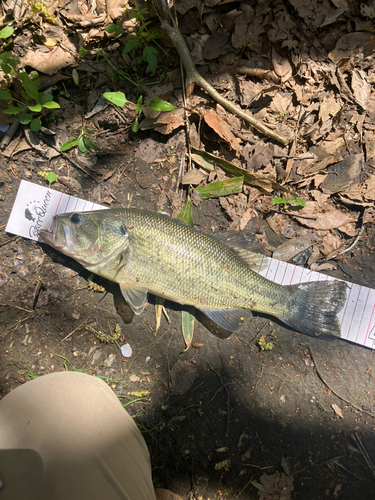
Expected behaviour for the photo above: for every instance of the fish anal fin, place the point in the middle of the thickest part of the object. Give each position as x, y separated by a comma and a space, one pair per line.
229, 319
135, 296
245, 246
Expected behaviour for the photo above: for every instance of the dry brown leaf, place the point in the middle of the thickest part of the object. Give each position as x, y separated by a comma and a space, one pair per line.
348, 229
116, 7
343, 174
194, 177
51, 61
369, 215
329, 244
337, 410
281, 65
286, 251
246, 218
278, 223
329, 108
166, 122
361, 89
222, 129
327, 266
352, 44
332, 219
369, 194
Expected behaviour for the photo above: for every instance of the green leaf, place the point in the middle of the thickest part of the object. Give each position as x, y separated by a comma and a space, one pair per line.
69, 144
131, 44
87, 130
135, 126
25, 118
253, 179
8, 62
187, 323
300, 203
6, 32
279, 201
116, 98
37, 108
187, 312
51, 177
149, 55
35, 125
30, 86
43, 98
186, 214
51, 105
160, 105
91, 145
221, 188
257, 485
5, 95
13, 110
81, 145
116, 29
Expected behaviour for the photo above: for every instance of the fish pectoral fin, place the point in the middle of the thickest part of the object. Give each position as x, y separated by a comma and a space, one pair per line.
135, 296
229, 319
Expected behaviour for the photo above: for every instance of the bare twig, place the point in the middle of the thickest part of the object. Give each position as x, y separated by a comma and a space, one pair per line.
351, 246
363, 450
169, 25
9, 134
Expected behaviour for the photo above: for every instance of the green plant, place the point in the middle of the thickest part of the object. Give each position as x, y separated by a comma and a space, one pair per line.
293, 201
264, 345
140, 40
119, 99
82, 142
36, 103
6, 32
50, 176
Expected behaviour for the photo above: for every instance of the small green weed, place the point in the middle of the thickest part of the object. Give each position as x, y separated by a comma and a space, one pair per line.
142, 39
264, 345
293, 201
6, 32
36, 103
50, 176
82, 142
27, 372
119, 99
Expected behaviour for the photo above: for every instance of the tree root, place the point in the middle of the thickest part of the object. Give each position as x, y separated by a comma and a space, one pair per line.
169, 25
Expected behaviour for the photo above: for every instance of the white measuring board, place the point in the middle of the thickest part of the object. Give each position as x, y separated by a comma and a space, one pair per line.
35, 206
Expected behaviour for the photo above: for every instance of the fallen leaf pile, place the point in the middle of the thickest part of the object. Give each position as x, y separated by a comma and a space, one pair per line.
296, 74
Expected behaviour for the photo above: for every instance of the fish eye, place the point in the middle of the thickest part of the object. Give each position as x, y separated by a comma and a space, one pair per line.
75, 218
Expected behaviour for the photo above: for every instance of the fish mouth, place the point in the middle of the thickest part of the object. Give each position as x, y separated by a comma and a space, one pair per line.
58, 238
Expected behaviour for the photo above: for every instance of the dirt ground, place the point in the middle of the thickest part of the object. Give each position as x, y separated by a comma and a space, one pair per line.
219, 415
223, 419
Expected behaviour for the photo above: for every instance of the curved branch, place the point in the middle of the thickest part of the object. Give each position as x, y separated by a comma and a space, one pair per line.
169, 25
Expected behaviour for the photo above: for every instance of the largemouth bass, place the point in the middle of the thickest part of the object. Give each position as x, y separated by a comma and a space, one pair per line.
149, 252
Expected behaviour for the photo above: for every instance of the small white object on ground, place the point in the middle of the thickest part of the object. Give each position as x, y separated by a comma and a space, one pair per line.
126, 350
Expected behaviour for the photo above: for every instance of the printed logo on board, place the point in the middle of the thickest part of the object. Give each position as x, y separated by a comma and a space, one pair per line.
35, 212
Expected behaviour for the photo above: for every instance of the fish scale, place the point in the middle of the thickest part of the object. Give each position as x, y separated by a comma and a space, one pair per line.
150, 252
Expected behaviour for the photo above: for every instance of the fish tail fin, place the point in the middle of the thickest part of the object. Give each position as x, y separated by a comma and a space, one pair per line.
314, 307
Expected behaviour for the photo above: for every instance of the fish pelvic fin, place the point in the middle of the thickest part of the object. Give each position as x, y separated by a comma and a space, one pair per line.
314, 308
135, 296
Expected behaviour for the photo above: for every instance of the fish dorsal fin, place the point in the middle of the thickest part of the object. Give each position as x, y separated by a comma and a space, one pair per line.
245, 246
135, 296
229, 319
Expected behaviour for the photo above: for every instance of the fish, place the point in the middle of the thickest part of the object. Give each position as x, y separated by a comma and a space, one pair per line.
146, 252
